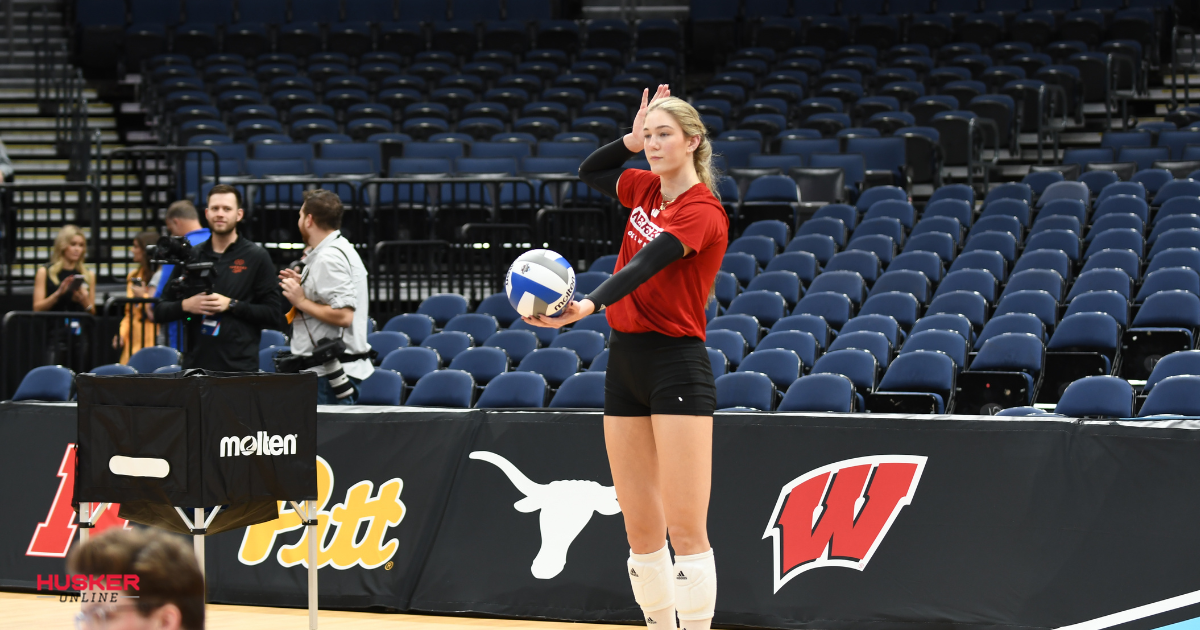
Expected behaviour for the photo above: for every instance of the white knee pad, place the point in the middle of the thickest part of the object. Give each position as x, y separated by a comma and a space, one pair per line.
650, 575
695, 586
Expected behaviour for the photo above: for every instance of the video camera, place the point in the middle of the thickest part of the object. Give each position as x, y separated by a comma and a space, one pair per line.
328, 353
195, 277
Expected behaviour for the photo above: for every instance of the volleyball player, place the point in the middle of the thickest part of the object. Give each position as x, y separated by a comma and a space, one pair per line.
659, 394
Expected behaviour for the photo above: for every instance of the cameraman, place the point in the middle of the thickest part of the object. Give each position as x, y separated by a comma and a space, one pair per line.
329, 300
224, 327
181, 220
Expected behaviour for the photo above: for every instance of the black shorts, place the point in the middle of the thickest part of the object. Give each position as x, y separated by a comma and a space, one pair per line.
651, 373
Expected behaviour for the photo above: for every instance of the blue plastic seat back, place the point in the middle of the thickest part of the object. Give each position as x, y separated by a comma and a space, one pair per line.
987, 260
1177, 188
879, 193
1057, 222
923, 371
730, 342
1174, 222
948, 207
1102, 280
384, 341
874, 342
848, 283
814, 325
514, 390
1110, 303
820, 393
954, 322
1121, 204
947, 342
742, 266
443, 388
516, 343
786, 283
412, 362
803, 264
980, 281
1011, 323
747, 325
1038, 303
272, 338
448, 343
966, 303
855, 364
900, 306
1001, 242
148, 359
597, 322
479, 325
780, 365
1169, 309
720, 364
821, 246
829, 226
960, 192
50, 383
1064, 190
1177, 205
483, 363
1104, 396
1046, 280
745, 389
113, 369
847, 214
1175, 257
1049, 259
1090, 331
835, 307
442, 307
555, 364
1169, 279
1175, 395
887, 226
937, 242
1062, 240
763, 248
914, 283
584, 390
800, 342
1011, 352
998, 223
946, 225
1040, 181
776, 230
865, 264
381, 388
586, 343
927, 263
1011, 190
1177, 238
1117, 238
1181, 363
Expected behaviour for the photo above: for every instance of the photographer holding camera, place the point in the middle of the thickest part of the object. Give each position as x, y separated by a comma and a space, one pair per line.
224, 288
329, 305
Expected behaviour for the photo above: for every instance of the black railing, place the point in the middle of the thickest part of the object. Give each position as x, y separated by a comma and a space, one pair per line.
32, 215
1187, 93
32, 339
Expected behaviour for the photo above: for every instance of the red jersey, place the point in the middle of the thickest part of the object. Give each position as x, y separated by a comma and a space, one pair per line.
672, 301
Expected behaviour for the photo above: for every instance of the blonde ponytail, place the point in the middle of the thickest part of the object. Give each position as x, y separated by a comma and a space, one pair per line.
692, 125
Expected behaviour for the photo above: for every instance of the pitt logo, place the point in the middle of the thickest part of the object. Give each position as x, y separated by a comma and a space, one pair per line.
347, 547
836, 515
53, 537
643, 226
238, 265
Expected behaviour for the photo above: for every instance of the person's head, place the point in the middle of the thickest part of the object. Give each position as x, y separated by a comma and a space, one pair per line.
141, 243
224, 209
170, 593
182, 218
70, 246
320, 215
676, 140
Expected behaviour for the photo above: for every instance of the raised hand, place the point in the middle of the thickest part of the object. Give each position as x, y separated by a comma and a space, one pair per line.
634, 140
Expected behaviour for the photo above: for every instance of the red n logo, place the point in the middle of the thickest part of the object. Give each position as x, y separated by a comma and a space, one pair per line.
53, 537
836, 515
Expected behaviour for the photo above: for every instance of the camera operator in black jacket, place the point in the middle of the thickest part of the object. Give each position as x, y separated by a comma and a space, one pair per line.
224, 327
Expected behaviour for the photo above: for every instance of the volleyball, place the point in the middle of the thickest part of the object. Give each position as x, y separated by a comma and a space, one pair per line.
540, 282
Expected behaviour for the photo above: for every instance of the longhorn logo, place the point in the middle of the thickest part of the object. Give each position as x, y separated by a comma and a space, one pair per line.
836, 515
567, 506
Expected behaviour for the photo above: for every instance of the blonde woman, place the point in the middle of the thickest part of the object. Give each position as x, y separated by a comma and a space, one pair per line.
659, 394
137, 327
66, 285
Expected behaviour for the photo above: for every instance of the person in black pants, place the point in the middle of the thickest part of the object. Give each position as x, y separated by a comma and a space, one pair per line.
659, 394
223, 328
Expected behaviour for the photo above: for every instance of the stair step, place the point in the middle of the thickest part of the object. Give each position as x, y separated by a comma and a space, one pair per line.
31, 109
48, 123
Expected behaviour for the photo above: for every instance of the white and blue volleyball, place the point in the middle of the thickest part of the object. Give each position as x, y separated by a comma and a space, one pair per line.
540, 282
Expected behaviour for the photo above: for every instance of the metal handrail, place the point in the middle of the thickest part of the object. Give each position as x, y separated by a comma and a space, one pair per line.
1111, 74
1175, 33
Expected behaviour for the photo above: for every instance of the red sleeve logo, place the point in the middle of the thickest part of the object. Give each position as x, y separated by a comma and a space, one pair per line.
238, 266
836, 515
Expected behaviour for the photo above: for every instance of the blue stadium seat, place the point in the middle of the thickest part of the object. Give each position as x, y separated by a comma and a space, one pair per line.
1177, 188
821, 393
803, 264
1039, 303
800, 342
920, 382
272, 338
966, 303
1046, 259
814, 325
747, 325
554, 364
516, 343
49, 383
886, 226
448, 343
585, 343
1117, 238
785, 283
780, 365
1001, 242
778, 231
1102, 280
821, 246
901, 306
874, 342
763, 248
148, 359
1176, 206
584, 390
848, 283
112, 369
1046, 280
946, 225
836, 308
866, 264
1173, 396
596, 322
1012, 190
946, 342
980, 259
950, 207
498, 306
382, 388
855, 364
442, 388
1182, 363
443, 307
730, 342
1120, 204
1178, 221
483, 364
514, 390
1097, 396
928, 264
750, 390
1169, 279
954, 322
743, 266
384, 341
1005, 373
1110, 303
600, 363
1065, 241
1085, 344
479, 326
980, 281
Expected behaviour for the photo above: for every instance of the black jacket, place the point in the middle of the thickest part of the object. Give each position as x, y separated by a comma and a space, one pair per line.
243, 272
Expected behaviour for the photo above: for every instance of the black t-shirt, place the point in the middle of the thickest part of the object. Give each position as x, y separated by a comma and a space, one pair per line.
66, 302
243, 272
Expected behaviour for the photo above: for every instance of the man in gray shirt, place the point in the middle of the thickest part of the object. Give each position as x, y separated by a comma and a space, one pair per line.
329, 297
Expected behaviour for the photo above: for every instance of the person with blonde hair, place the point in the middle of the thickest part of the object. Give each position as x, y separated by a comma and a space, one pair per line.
659, 393
137, 326
66, 285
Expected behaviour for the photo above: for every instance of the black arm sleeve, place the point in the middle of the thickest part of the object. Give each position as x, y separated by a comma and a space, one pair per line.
604, 166
654, 257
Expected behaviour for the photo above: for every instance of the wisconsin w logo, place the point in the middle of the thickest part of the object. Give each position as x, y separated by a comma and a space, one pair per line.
836, 515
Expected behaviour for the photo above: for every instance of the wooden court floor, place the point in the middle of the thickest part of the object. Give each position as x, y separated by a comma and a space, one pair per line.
23, 611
